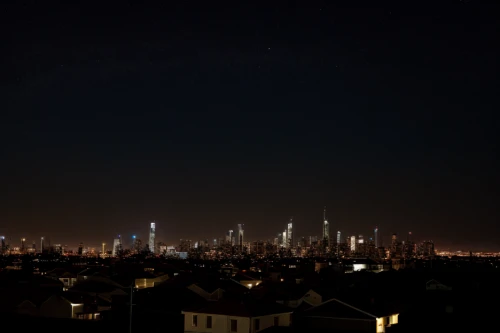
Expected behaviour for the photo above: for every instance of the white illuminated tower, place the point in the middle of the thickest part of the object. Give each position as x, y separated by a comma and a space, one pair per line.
375, 235
289, 234
338, 242
353, 244
240, 236
152, 230
326, 230
117, 244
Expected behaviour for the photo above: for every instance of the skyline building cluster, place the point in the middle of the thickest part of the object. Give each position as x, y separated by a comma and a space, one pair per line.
324, 245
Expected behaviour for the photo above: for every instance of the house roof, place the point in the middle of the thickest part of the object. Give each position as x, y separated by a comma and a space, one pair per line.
169, 297
103, 271
93, 286
209, 286
37, 297
243, 308
337, 309
62, 273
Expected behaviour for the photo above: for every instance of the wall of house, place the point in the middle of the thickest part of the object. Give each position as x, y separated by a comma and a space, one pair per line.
250, 283
309, 324
220, 323
268, 321
150, 282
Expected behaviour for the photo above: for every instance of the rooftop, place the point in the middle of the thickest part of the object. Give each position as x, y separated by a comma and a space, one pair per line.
243, 308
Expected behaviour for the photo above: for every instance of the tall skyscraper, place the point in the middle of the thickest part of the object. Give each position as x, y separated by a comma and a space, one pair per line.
338, 243
240, 236
230, 237
80, 249
375, 236
283, 243
2, 238
289, 234
117, 246
326, 230
152, 231
22, 244
353, 244
41, 245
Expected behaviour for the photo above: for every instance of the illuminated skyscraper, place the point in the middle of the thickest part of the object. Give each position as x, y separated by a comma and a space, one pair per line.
2, 238
152, 231
41, 245
283, 239
240, 236
375, 236
289, 234
230, 237
117, 246
326, 230
353, 244
338, 242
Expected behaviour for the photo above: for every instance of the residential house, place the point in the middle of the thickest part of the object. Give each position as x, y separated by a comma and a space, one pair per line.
102, 288
247, 280
335, 315
59, 307
150, 281
67, 277
29, 302
236, 317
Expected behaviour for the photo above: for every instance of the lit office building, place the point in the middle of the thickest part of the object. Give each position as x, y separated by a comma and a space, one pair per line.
240, 236
289, 234
326, 230
152, 231
117, 244
353, 244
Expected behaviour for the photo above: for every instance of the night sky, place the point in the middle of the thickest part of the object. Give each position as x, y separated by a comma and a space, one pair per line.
202, 116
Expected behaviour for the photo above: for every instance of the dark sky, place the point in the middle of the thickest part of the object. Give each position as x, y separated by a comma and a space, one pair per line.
203, 116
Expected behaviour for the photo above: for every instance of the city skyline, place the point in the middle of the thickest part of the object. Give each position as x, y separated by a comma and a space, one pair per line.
120, 114
382, 239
